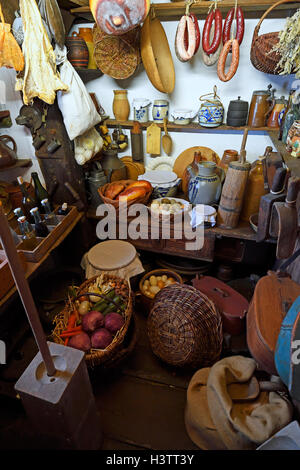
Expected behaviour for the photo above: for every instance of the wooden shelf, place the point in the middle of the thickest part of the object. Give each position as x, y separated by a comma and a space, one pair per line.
20, 163
292, 163
32, 267
192, 128
174, 10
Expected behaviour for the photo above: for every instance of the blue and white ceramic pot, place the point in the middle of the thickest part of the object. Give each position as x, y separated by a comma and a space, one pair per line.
141, 109
160, 110
205, 184
211, 112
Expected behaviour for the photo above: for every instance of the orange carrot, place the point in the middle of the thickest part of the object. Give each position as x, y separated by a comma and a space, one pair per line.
71, 325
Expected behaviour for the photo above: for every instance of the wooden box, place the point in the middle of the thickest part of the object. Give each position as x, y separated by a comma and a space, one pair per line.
6, 278
46, 243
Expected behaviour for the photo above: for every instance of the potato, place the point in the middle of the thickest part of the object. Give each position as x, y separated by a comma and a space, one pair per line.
161, 284
147, 283
158, 278
153, 281
154, 290
164, 278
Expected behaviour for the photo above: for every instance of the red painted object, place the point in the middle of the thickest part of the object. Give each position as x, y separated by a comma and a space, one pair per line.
232, 305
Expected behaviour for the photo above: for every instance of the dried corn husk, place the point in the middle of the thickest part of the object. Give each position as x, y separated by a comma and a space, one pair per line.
40, 78
289, 46
11, 55
53, 17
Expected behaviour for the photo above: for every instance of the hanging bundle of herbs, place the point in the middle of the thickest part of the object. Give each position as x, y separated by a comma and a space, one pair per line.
289, 46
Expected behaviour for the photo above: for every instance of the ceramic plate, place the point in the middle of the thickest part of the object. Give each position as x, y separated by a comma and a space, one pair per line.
157, 177
161, 163
187, 157
187, 204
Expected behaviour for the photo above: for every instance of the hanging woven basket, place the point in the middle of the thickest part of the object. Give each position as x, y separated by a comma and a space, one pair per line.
261, 56
117, 56
185, 327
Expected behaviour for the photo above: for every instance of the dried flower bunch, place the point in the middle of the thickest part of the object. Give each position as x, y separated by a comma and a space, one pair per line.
289, 46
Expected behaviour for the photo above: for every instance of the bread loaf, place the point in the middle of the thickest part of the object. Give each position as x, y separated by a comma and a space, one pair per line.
141, 184
113, 190
131, 193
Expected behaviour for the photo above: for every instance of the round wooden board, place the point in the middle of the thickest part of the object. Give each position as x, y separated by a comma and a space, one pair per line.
111, 255
187, 157
134, 169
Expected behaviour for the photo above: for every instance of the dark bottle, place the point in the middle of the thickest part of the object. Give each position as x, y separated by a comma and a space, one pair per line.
63, 210
50, 217
29, 239
286, 111
28, 202
40, 191
18, 212
40, 227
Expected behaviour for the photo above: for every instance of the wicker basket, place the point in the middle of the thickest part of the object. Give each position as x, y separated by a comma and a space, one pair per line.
96, 357
185, 328
117, 56
106, 200
261, 56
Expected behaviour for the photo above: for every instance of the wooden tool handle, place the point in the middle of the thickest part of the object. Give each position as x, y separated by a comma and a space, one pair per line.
279, 181
245, 136
293, 189
165, 126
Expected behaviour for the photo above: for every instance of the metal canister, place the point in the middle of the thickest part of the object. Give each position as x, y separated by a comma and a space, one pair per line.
95, 179
237, 113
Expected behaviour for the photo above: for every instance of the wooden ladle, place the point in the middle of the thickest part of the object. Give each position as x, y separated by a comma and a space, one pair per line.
248, 391
166, 140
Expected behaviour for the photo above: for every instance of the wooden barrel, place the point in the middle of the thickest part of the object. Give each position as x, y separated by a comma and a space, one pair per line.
233, 194
78, 53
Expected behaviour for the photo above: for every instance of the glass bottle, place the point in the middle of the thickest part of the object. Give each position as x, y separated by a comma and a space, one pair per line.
18, 212
50, 217
40, 227
287, 109
27, 202
29, 239
40, 191
63, 210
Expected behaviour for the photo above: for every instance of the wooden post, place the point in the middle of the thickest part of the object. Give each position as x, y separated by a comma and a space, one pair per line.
24, 291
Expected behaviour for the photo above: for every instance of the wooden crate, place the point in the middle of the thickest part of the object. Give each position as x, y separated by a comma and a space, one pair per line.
46, 243
6, 278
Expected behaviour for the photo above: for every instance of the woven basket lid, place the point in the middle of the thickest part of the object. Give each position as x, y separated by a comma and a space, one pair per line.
117, 56
111, 255
185, 327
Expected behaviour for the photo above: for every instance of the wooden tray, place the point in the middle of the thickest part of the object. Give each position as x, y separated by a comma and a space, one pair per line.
187, 157
46, 243
6, 278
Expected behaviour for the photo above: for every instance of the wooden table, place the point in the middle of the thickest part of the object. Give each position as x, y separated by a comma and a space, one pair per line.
32, 267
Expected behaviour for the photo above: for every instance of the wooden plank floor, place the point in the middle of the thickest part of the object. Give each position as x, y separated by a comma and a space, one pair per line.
141, 406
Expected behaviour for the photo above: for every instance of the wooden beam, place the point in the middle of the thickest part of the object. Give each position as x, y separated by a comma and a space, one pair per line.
173, 11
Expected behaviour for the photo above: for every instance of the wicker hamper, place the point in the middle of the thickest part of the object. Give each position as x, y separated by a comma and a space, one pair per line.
185, 328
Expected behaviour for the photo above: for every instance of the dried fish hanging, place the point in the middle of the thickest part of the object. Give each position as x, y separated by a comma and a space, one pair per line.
40, 78
50, 11
11, 55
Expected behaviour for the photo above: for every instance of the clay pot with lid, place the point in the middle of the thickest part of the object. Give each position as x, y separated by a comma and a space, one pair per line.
237, 113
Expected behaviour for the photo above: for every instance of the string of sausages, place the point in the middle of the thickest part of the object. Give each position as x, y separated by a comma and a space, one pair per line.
217, 41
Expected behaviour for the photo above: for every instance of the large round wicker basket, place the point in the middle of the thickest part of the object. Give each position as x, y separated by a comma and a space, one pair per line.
262, 55
117, 56
113, 352
185, 327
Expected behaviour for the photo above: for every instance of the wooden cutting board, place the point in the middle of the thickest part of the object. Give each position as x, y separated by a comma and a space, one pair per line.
187, 157
154, 139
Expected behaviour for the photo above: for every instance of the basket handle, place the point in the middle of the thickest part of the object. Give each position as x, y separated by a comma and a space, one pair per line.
272, 8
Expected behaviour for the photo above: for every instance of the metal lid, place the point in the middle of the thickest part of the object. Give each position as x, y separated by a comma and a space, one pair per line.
238, 100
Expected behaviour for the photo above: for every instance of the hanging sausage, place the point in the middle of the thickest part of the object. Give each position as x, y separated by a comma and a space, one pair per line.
188, 36
214, 17
240, 25
234, 45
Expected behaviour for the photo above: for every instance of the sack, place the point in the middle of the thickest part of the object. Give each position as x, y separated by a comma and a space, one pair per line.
87, 146
77, 107
216, 421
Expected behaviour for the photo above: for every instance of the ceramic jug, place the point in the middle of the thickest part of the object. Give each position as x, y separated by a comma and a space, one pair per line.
113, 167
211, 112
8, 156
205, 184
261, 105
273, 121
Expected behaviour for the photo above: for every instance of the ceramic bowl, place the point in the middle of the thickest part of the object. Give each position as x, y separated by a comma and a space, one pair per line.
164, 183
